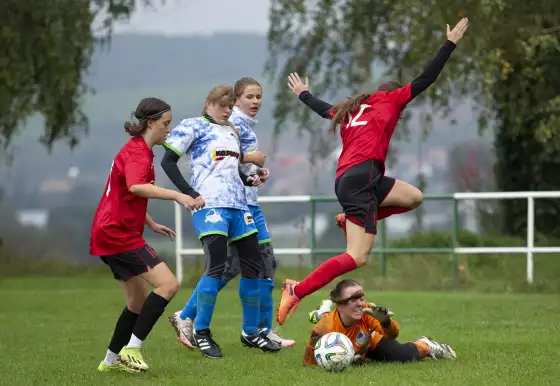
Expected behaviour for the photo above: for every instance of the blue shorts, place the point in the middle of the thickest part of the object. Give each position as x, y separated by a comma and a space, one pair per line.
233, 223
260, 223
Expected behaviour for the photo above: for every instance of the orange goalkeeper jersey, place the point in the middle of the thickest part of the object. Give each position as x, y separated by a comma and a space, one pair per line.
364, 334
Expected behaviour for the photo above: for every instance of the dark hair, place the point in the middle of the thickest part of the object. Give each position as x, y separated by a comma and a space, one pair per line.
336, 293
242, 83
347, 105
149, 109
220, 94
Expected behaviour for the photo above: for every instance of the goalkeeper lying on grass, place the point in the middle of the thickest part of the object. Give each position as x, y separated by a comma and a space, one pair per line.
369, 328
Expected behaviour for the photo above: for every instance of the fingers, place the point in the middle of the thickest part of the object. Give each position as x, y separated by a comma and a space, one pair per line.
307, 82
448, 29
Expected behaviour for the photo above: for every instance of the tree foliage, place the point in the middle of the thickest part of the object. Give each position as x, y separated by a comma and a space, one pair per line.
508, 63
46, 48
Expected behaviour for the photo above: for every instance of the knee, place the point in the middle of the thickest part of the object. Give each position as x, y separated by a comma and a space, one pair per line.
360, 257
170, 288
415, 198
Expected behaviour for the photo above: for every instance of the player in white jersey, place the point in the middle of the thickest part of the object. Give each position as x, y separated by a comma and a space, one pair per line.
212, 143
248, 99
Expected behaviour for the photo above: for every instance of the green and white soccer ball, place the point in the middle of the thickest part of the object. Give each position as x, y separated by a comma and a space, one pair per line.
334, 352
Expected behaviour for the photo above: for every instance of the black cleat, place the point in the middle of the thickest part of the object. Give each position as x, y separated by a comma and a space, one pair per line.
261, 341
207, 346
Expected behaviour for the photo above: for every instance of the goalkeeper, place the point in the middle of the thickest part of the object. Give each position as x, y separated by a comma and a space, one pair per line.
370, 329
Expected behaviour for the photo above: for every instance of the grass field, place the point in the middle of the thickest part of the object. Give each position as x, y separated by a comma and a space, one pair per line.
55, 331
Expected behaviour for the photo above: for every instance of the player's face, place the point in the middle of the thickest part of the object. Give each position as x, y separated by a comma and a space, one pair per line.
250, 101
160, 129
220, 112
353, 308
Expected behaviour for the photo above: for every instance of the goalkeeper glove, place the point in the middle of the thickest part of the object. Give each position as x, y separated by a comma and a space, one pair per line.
382, 314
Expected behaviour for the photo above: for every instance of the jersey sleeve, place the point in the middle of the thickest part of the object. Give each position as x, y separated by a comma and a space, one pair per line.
247, 140
402, 95
181, 137
137, 169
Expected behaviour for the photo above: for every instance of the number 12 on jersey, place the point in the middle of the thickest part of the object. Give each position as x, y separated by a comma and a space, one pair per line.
354, 121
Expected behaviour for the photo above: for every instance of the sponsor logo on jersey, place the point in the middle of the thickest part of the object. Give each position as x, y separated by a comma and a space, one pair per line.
218, 155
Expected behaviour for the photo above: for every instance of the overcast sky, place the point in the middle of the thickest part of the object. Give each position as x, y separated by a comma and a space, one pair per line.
200, 17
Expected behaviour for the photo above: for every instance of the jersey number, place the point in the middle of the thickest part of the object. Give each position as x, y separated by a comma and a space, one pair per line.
353, 121
109, 183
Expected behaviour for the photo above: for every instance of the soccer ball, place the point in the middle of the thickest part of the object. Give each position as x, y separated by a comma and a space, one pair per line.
334, 351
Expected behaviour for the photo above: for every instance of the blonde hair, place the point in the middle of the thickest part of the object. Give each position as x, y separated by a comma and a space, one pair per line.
221, 94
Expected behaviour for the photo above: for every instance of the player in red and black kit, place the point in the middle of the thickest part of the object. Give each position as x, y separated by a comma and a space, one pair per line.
117, 236
367, 125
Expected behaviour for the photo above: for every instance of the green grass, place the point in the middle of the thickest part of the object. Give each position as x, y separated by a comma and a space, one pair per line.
55, 332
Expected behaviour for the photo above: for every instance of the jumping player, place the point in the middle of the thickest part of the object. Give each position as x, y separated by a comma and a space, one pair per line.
214, 148
373, 338
248, 100
117, 236
367, 124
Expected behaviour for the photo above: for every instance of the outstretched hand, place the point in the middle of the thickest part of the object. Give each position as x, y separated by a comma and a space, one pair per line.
296, 85
458, 31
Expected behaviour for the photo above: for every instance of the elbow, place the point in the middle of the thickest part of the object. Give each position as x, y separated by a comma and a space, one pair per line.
134, 189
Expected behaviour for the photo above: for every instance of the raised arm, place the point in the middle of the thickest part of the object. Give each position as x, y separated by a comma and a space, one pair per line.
301, 90
434, 67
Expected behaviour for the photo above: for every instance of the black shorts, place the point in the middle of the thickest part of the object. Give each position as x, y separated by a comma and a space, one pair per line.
126, 265
360, 190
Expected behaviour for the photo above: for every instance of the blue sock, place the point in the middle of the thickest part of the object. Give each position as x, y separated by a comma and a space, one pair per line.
189, 311
267, 304
207, 293
250, 303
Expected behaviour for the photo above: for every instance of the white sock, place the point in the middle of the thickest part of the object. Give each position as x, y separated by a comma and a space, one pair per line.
134, 342
111, 358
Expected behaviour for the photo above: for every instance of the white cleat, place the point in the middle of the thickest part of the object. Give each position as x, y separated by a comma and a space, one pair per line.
284, 343
439, 350
184, 330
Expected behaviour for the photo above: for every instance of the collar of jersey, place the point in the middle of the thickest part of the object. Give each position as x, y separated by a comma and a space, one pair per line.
249, 120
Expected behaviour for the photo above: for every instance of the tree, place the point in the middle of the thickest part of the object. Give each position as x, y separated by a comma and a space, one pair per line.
508, 63
46, 48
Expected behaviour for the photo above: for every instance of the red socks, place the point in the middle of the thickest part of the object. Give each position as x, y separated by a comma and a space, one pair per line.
324, 274
386, 211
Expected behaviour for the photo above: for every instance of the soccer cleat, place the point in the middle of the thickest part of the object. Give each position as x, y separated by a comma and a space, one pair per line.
208, 346
438, 350
341, 223
184, 329
132, 357
261, 341
288, 302
116, 367
283, 343
316, 315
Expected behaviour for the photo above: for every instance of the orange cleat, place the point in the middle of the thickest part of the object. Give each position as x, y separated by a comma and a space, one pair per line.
288, 302
341, 223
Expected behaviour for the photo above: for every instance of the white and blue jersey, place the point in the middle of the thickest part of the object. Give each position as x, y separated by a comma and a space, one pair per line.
249, 142
214, 152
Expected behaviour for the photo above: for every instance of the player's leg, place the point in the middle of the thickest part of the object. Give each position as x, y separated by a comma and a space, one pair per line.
266, 279
152, 269
397, 197
135, 291
354, 192
389, 350
244, 239
394, 196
